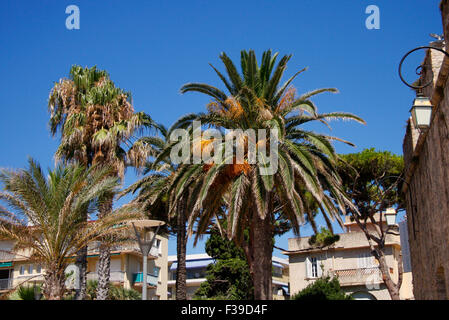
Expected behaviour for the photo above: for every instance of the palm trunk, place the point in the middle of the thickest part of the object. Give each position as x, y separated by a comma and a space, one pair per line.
181, 248
260, 262
104, 260
81, 263
54, 283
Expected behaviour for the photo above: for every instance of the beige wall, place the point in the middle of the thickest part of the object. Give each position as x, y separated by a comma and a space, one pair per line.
27, 277
128, 263
133, 264
343, 259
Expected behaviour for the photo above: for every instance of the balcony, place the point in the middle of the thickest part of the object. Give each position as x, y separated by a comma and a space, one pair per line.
94, 248
359, 276
5, 284
6, 256
151, 279
115, 276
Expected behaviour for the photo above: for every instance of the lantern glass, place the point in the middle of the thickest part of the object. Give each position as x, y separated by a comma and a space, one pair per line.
390, 216
391, 219
421, 112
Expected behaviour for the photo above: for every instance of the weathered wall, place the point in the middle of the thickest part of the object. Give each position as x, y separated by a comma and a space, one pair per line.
344, 255
426, 156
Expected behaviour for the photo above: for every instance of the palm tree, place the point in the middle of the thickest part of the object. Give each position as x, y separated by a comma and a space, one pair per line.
48, 215
157, 190
306, 159
97, 124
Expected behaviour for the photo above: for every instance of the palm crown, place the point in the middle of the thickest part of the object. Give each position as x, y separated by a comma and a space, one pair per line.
256, 100
48, 217
96, 120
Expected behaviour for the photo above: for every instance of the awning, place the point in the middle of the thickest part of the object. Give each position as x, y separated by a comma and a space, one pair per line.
5, 264
193, 264
277, 264
205, 262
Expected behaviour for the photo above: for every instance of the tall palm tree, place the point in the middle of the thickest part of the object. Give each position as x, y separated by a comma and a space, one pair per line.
48, 215
98, 126
157, 190
306, 159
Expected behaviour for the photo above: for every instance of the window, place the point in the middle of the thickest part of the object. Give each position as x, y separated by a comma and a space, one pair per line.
30, 269
39, 268
157, 272
277, 272
22, 270
365, 260
197, 273
313, 267
157, 245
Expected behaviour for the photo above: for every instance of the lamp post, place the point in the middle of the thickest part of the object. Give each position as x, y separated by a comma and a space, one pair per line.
422, 107
142, 229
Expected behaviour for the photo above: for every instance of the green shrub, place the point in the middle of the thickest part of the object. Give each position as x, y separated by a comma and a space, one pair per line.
324, 238
229, 277
323, 288
25, 292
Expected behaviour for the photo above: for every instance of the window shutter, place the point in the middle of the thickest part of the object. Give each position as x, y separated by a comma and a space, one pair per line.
372, 261
308, 268
360, 261
318, 264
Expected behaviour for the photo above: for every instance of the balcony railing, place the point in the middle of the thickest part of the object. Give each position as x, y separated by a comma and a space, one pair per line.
5, 284
358, 276
95, 248
151, 279
115, 276
6, 256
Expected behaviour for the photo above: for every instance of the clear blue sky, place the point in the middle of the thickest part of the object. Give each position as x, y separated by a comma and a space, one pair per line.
151, 48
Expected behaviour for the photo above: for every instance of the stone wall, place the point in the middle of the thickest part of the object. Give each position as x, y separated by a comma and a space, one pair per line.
426, 156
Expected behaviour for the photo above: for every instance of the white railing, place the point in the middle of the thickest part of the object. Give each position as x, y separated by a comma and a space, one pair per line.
358, 275
115, 276
94, 248
6, 256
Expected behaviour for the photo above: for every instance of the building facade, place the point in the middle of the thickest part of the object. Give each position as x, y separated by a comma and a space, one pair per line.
426, 158
126, 267
350, 260
196, 265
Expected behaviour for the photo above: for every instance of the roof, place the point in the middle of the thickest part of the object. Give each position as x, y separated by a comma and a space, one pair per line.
203, 260
278, 260
348, 241
174, 258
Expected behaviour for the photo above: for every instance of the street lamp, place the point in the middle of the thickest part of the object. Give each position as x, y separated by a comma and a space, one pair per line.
145, 239
421, 112
390, 216
422, 107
